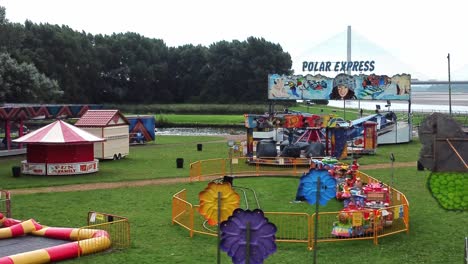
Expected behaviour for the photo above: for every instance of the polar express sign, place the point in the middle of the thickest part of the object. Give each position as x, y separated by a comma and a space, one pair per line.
338, 66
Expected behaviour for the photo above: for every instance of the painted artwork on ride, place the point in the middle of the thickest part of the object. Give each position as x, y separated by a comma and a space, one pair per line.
342, 87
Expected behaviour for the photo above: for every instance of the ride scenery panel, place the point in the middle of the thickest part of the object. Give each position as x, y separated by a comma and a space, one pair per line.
342, 87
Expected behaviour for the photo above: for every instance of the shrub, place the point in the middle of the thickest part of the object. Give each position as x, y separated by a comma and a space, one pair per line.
450, 189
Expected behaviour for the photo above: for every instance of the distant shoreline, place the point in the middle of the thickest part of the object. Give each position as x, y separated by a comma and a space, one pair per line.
439, 98
421, 101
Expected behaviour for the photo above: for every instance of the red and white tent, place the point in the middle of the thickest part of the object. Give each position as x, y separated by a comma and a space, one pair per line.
59, 132
59, 149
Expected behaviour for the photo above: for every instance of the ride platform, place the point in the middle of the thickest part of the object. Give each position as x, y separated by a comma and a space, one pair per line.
281, 161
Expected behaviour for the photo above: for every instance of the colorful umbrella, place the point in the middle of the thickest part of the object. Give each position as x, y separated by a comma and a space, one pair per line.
230, 200
308, 187
317, 187
248, 237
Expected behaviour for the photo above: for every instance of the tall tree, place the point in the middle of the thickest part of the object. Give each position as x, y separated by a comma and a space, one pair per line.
240, 69
11, 34
130, 68
187, 71
22, 82
3, 19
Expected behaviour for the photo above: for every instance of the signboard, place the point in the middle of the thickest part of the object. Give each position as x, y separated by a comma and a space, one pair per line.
342, 87
376, 196
338, 66
357, 219
72, 168
33, 168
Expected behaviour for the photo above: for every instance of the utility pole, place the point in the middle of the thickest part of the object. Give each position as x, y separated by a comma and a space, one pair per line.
449, 86
348, 53
344, 109
348, 58
230, 145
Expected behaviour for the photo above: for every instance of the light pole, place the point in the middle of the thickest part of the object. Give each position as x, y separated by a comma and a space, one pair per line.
392, 159
449, 86
344, 109
230, 145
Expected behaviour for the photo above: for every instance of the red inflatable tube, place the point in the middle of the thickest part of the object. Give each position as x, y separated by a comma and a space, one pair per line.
90, 241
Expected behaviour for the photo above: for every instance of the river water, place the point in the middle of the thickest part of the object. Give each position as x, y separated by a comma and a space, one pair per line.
200, 131
421, 101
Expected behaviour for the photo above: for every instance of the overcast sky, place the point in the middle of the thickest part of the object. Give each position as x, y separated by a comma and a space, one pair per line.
420, 34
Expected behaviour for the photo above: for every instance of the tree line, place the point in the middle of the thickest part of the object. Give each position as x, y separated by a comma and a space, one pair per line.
45, 63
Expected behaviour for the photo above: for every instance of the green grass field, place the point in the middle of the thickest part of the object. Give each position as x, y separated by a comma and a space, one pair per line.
193, 120
151, 161
158, 160
436, 235
223, 118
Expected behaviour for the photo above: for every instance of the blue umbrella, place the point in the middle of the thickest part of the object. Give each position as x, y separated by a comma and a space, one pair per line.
308, 187
317, 187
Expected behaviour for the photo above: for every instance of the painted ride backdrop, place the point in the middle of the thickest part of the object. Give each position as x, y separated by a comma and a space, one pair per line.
359, 87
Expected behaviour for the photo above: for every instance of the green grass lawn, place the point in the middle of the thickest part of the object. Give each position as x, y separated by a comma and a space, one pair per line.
403, 152
436, 235
183, 119
158, 160
218, 120
350, 113
151, 161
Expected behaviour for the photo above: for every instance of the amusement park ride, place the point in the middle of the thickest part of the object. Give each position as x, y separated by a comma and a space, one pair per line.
303, 135
307, 136
13, 118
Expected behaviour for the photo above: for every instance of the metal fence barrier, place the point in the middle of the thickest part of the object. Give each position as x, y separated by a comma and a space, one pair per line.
117, 227
364, 224
5, 207
182, 211
466, 250
199, 170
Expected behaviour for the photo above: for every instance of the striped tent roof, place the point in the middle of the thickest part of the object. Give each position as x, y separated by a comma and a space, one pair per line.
58, 132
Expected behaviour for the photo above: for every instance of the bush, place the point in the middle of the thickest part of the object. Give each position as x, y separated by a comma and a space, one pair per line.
449, 189
319, 102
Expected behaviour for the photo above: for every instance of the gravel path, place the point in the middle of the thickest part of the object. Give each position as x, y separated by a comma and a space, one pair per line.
127, 184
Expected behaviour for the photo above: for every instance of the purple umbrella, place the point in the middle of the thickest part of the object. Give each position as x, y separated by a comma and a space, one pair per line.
248, 237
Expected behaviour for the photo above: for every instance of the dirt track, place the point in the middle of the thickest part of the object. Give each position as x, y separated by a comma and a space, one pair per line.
113, 185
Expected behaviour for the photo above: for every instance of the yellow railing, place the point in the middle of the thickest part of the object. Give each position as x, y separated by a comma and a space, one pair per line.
182, 211
299, 227
368, 224
117, 227
5, 208
291, 227
199, 170
332, 229
92, 239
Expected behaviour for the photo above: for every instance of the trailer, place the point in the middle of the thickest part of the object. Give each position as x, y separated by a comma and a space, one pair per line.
111, 125
141, 128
